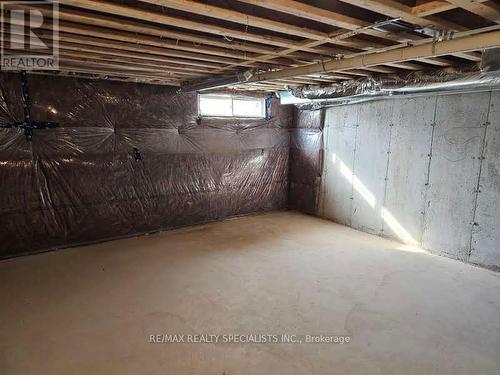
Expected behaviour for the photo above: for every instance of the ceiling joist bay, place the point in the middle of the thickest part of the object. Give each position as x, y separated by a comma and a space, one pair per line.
282, 42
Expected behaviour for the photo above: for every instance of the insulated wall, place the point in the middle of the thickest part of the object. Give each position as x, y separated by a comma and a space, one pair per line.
423, 170
305, 160
81, 182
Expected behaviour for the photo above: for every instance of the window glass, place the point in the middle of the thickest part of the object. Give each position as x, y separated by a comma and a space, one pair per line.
231, 106
216, 106
248, 108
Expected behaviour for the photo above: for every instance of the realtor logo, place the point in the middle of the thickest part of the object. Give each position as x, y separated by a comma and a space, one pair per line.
29, 35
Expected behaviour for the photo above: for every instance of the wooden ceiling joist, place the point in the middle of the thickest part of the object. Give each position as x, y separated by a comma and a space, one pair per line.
298, 9
338, 35
86, 30
182, 57
103, 71
153, 60
160, 18
393, 8
291, 7
147, 29
100, 76
181, 41
263, 23
487, 10
127, 62
120, 68
468, 43
426, 8
66, 54
216, 54
389, 7
330, 76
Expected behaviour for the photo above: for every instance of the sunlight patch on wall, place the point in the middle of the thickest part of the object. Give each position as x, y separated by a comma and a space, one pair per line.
397, 228
358, 185
410, 243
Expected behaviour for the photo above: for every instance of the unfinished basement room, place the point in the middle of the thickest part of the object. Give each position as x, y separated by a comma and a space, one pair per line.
250, 187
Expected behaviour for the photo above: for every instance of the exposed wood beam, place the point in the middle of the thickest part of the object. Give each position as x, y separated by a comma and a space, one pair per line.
406, 66
427, 8
295, 81
471, 56
195, 59
71, 67
250, 20
95, 54
126, 11
393, 8
68, 50
337, 35
151, 41
437, 61
326, 77
298, 9
128, 62
102, 37
490, 11
356, 72
330, 76
463, 44
303, 10
396, 9
137, 39
152, 60
431, 7
76, 28
94, 76
380, 69
140, 28
265, 85
284, 52
118, 68
128, 69
186, 58
325, 16
104, 46
114, 76
237, 17
157, 42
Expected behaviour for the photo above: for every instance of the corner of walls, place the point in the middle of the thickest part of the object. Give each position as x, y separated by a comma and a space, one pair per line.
306, 146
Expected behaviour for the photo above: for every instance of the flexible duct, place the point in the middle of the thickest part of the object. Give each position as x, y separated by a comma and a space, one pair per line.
371, 88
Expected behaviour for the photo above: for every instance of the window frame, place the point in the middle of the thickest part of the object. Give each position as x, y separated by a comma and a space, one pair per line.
233, 98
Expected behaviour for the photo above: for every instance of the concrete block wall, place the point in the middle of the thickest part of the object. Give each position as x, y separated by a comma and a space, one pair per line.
422, 170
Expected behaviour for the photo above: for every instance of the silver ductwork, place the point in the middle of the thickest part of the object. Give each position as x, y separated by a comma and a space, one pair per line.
371, 88
490, 61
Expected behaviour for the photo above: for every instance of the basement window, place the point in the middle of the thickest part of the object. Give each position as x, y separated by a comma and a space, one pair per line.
218, 105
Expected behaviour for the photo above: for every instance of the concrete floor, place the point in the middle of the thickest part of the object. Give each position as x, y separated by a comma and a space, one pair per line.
91, 310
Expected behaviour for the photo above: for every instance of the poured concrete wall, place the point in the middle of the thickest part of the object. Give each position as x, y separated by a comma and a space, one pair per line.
423, 170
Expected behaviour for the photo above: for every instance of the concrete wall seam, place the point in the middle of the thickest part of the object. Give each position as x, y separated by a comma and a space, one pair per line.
423, 170
428, 177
